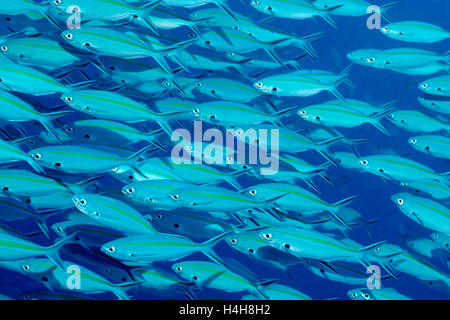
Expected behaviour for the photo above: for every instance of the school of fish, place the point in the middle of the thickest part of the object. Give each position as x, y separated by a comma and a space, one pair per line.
93, 206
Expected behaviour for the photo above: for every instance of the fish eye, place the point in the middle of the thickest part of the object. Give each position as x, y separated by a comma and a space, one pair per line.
166, 84
253, 192
69, 36
233, 241
354, 295
198, 84
377, 249
413, 141
57, 2
4, 48
371, 59
69, 129
400, 201
130, 190
424, 85
269, 8
259, 84
385, 29
236, 28
175, 197
364, 162
196, 111
231, 54
82, 202
36, 156
179, 269
366, 296
111, 249
68, 99
267, 236
302, 112
87, 44
59, 229
26, 267
255, 2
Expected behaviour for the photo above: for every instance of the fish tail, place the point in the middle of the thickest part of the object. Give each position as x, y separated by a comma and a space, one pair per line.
120, 289
334, 91
384, 8
177, 60
243, 72
283, 113
36, 167
163, 64
164, 124
79, 85
444, 178
138, 153
325, 15
367, 224
259, 288
81, 185
52, 252
42, 225
306, 44
273, 55
311, 184
331, 141
224, 7
309, 40
214, 240
388, 105
233, 183
339, 205
48, 126
148, 23
346, 71
344, 202
121, 294
447, 56
147, 9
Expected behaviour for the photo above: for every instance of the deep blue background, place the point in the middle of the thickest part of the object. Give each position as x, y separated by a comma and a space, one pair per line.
374, 86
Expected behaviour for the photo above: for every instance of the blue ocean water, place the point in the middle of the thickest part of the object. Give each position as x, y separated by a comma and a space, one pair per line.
375, 86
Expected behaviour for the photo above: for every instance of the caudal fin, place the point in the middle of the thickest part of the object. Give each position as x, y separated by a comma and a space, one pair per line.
52, 252
384, 8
